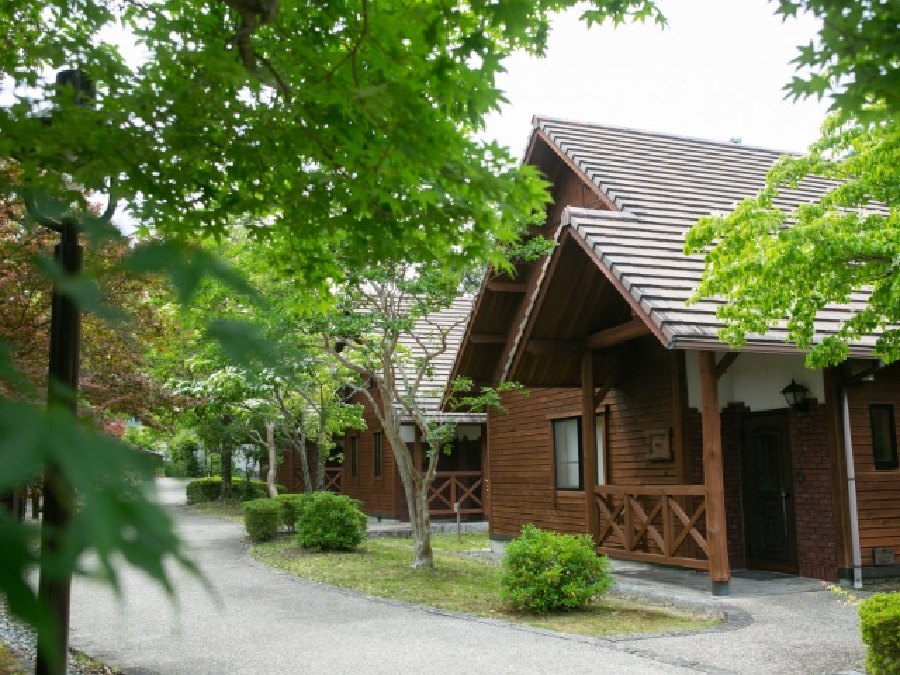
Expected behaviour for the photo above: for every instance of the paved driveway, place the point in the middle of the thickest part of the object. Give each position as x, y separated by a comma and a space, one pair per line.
262, 621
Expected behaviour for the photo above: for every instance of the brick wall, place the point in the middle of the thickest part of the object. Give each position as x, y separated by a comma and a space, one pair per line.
816, 533
731, 461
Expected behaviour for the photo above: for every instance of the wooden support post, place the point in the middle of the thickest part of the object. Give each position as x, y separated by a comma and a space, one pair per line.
834, 428
589, 444
486, 496
716, 532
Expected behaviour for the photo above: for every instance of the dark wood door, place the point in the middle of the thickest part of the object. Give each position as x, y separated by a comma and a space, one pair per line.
768, 494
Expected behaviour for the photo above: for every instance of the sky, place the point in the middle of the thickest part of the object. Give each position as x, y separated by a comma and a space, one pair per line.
716, 72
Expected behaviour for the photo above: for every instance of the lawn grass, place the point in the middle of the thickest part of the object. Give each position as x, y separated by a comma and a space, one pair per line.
228, 509
91, 666
9, 664
463, 584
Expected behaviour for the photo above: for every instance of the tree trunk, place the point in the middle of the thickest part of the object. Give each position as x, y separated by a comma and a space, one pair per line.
304, 460
323, 437
416, 487
270, 446
225, 492
420, 520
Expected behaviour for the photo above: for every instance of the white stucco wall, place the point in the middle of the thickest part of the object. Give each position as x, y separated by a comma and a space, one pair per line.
756, 380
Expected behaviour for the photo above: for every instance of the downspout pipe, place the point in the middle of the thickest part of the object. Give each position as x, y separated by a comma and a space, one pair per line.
851, 491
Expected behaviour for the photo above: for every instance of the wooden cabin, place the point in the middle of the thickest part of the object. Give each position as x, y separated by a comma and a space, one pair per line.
369, 471
641, 427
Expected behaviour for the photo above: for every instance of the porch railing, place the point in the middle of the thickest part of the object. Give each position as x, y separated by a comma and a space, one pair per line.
333, 480
653, 523
452, 487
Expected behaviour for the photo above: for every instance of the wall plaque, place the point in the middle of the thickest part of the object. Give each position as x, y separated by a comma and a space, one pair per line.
660, 445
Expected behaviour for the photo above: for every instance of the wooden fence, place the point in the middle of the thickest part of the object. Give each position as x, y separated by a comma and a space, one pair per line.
333, 480
456, 487
653, 523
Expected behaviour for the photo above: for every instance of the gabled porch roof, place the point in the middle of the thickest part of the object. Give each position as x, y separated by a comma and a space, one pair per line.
643, 260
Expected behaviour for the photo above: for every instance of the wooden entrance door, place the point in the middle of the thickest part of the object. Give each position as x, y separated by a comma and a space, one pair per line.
768, 494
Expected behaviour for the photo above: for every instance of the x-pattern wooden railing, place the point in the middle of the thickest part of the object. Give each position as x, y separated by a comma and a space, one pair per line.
333, 480
452, 487
653, 523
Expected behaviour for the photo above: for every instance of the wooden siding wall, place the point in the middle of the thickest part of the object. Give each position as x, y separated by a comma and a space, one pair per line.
569, 190
521, 456
376, 494
290, 471
877, 491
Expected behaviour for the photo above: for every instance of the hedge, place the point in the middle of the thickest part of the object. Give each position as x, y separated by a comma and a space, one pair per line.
262, 518
290, 508
879, 619
208, 489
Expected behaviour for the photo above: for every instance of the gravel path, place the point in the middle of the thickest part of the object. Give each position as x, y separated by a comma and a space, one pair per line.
258, 620
262, 621
22, 643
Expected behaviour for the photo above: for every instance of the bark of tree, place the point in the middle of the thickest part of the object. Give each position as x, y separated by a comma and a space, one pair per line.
300, 447
225, 492
320, 443
299, 444
415, 487
270, 446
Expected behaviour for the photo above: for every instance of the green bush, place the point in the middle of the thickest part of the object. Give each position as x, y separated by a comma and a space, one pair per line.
183, 455
545, 571
174, 470
290, 508
208, 489
330, 522
879, 618
262, 518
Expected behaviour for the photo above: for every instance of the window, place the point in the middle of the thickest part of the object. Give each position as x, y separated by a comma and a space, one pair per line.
884, 436
567, 452
378, 458
600, 430
354, 456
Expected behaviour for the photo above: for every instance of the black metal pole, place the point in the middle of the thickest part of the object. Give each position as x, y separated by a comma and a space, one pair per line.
65, 341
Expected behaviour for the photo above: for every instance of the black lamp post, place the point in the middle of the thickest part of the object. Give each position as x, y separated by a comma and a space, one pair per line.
65, 340
795, 395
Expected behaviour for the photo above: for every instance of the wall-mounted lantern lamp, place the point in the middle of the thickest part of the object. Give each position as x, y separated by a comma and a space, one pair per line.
796, 396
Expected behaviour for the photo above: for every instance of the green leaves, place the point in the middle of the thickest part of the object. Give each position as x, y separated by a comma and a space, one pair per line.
772, 266
341, 137
855, 57
187, 266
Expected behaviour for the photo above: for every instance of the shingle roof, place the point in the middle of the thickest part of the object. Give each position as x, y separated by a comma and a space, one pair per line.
663, 184
673, 179
647, 257
426, 335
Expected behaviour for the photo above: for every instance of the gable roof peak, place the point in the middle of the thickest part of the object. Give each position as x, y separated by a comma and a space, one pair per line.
545, 121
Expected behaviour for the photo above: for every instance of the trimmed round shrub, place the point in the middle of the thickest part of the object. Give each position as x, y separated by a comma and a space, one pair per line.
290, 508
879, 619
330, 522
208, 489
546, 571
262, 517
203, 490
